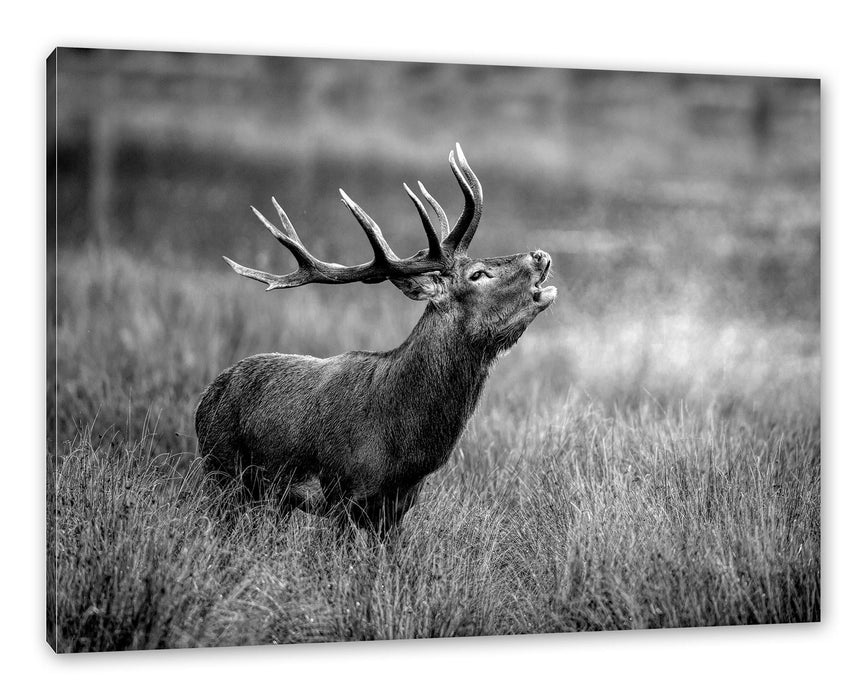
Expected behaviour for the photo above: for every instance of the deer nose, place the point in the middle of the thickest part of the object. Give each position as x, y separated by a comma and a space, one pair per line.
541, 258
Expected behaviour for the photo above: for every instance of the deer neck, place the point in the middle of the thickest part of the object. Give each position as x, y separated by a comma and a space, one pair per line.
439, 372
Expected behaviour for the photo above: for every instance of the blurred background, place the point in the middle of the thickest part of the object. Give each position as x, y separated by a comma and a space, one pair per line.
682, 213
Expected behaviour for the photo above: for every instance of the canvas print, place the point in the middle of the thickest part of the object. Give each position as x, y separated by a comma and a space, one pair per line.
355, 350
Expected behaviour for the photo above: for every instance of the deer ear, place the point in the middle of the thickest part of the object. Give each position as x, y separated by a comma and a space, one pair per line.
421, 287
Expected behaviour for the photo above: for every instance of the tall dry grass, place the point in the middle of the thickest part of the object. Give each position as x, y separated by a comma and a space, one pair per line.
598, 523
622, 471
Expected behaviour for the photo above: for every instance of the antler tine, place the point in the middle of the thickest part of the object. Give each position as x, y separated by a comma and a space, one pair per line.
464, 230
382, 253
309, 268
273, 281
440, 212
287, 225
290, 241
434, 248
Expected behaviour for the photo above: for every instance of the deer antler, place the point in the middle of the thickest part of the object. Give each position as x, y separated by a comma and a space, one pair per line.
442, 247
384, 265
461, 235
456, 242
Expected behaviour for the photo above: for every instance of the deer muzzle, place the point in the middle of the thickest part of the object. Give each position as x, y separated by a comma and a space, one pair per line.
541, 295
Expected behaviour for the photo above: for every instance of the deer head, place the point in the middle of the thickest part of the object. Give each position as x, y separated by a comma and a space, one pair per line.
488, 301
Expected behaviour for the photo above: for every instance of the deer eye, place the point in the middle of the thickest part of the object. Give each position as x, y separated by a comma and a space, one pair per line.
477, 275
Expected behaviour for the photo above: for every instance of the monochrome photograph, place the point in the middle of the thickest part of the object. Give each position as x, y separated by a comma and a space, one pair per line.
352, 350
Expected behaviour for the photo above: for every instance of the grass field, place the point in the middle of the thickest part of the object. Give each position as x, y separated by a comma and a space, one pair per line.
647, 455
620, 472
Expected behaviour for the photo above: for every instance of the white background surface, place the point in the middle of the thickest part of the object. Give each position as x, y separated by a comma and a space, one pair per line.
789, 39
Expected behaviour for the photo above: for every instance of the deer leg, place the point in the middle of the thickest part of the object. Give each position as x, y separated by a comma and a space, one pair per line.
335, 502
308, 495
384, 514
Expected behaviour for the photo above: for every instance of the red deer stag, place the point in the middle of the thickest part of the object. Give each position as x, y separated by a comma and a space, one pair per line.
356, 435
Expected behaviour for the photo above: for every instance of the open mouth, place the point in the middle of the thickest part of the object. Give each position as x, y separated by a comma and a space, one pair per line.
544, 274
541, 295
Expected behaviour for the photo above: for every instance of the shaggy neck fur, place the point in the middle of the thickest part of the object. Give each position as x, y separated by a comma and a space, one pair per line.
440, 376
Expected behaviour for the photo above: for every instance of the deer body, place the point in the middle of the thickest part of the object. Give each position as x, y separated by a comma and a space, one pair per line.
358, 427
356, 434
